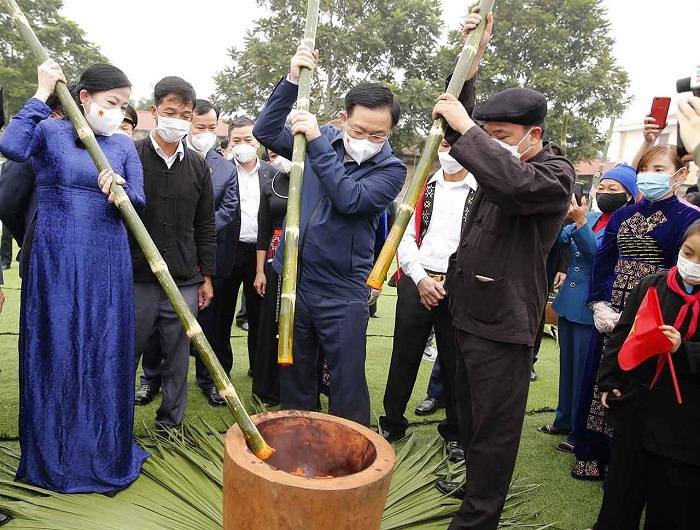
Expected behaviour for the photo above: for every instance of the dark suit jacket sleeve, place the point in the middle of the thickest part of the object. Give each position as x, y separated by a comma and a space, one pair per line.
17, 183
270, 129
468, 99
226, 212
264, 219
533, 187
205, 225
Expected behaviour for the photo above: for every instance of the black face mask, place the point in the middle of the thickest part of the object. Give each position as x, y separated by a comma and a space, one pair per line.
609, 202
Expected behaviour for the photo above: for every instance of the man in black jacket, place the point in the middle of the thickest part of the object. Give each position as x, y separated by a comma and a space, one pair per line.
179, 216
497, 283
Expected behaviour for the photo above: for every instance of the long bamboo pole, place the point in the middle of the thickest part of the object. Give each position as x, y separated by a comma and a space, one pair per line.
437, 132
291, 233
564, 127
601, 166
155, 260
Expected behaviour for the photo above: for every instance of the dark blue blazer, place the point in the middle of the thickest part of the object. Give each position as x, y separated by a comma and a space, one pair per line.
18, 204
570, 302
341, 202
224, 179
17, 197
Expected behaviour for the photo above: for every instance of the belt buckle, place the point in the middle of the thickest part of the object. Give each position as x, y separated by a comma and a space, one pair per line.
437, 277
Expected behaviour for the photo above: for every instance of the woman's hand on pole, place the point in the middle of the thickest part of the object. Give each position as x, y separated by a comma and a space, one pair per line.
104, 181
49, 73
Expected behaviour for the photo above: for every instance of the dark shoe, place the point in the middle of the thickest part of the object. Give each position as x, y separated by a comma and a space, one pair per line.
429, 405
250, 372
456, 490
215, 400
455, 451
392, 436
243, 325
551, 429
533, 376
145, 394
565, 447
5, 518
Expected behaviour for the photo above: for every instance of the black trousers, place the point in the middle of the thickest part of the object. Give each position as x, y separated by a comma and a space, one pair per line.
411, 330
6, 247
217, 319
266, 374
623, 500
636, 476
493, 380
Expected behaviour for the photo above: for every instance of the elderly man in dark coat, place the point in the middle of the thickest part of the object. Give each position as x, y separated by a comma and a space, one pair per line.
497, 283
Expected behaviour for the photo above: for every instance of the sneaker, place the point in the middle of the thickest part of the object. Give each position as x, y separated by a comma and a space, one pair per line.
430, 354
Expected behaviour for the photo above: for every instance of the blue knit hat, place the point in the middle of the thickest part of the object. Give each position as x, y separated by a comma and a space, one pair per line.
625, 175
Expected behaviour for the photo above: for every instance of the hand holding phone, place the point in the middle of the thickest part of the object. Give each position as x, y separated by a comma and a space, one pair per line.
659, 111
578, 192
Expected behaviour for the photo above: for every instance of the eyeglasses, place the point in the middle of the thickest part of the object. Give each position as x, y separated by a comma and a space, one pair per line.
361, 135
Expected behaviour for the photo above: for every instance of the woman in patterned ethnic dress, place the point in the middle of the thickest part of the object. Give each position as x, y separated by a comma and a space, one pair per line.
640, 239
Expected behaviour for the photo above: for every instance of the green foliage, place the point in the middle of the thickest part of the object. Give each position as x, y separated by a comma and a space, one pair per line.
181, 488
562, 48
63, 40
393, 41
559, 47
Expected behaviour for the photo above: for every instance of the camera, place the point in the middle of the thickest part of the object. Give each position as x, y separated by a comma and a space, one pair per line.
687, 84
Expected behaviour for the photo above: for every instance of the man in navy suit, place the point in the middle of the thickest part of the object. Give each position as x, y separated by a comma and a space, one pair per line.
350, 177
201, 139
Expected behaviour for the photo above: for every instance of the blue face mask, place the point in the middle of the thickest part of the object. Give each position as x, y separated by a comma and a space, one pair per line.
654, 185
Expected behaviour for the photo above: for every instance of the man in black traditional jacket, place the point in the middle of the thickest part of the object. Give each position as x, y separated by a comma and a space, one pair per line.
497, 283
179, 216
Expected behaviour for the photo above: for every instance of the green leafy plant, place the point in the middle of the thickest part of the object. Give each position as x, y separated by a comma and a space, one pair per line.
180, 488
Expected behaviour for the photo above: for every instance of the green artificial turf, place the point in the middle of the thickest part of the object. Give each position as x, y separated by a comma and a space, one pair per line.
569, 503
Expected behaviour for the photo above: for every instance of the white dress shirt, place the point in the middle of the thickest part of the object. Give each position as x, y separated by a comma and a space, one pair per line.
249, 188
442, 238
169, 160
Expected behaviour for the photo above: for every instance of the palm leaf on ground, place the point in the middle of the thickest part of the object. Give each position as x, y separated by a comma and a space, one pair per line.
180, 488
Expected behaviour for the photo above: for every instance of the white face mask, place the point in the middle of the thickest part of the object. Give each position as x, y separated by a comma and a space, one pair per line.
514, 148
202, 142
244, 152
361, 150
282, 164
229, 156
449, 164
172, 130
689, 271
104, 121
